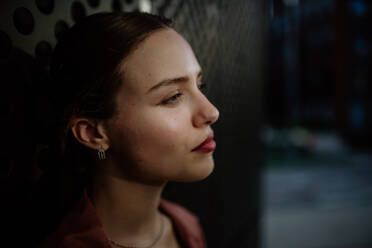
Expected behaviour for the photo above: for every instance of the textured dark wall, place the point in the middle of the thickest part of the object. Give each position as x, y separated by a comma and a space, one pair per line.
228, 39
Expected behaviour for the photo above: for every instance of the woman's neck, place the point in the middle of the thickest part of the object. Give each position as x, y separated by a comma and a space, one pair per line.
128, 210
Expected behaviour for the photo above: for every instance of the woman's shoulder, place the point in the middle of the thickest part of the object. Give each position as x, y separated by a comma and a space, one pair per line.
79, 228
186, 223
82, 228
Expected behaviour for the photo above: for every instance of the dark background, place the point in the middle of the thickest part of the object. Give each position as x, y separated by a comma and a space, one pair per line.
292, 81
316, 179
228, 38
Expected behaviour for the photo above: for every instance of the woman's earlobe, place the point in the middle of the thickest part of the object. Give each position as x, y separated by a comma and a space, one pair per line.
102, 137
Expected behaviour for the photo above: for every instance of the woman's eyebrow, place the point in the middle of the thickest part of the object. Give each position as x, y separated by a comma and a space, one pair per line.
169, 81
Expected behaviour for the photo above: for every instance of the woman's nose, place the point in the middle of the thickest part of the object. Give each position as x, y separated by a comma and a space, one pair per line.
206, 113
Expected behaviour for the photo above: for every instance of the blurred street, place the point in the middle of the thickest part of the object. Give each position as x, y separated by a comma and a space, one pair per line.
318, 205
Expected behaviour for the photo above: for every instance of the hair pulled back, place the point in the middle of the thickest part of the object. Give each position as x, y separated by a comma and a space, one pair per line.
85, 68
85, 75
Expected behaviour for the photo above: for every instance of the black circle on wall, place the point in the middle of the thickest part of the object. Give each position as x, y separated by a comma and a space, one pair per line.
23, 21
43, 52
5, 44
93, 3
116, 5
60, 28
77, 11
45, 6
129, 1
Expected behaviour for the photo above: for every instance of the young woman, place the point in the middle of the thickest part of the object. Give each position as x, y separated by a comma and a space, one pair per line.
132, 118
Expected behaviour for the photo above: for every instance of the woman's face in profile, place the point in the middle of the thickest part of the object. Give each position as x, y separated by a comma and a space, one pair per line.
162, 113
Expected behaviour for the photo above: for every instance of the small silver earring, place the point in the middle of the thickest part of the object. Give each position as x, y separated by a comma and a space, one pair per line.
101, 153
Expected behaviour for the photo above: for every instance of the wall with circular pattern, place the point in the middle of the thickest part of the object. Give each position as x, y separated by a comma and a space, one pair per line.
228, 38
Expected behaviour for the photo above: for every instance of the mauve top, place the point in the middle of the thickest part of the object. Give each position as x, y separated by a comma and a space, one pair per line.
81, 227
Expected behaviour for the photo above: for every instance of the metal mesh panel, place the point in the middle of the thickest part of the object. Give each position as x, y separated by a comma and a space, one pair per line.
228, 39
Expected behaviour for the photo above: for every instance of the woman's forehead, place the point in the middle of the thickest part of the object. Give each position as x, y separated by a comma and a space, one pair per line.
164, 54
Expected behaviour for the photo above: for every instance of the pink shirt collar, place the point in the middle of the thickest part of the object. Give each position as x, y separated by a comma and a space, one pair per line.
82, 228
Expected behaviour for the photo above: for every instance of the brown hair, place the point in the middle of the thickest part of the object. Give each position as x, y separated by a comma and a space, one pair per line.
85, 77
85, 70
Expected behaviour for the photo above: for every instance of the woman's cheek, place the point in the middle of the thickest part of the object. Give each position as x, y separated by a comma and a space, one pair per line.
166, 131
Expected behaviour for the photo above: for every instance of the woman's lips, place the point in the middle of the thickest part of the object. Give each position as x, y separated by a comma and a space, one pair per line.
208, 145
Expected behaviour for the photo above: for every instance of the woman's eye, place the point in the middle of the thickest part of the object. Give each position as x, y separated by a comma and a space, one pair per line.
172, 99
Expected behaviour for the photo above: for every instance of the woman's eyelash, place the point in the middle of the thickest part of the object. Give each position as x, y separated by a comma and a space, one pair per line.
172, 99
202, 86
175, 98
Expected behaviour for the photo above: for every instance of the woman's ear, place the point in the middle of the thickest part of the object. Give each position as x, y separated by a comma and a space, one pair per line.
90, 133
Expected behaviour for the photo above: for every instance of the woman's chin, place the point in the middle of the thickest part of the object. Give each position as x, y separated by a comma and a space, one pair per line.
199, 173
